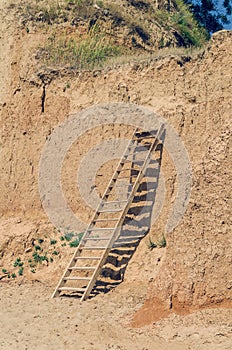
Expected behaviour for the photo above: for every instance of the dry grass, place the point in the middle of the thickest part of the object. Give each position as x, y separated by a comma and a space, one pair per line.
86, 52
146, 58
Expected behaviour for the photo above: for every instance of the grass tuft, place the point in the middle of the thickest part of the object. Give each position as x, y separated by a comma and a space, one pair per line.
93, 50
161, 243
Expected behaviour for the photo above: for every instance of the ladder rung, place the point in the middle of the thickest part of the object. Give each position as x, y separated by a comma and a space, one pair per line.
122, 244
138, 153
83, 268
71, 289
98, 239
128, 237
93, 248
88, 257
115, 186
130, 169
123, 185
102, 220
109, 211
142, 148
136, 162
101, 229
113, 202
127, 177
74, 278
150, 136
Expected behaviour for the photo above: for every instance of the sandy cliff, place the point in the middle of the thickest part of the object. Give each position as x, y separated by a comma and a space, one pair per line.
193, 94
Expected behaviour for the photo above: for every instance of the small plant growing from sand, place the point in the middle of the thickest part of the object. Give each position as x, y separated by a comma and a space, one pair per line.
4, 271
74, 243
18, 262
20, 272
37, 247
69, 236
39, 258
13, 275
53, 241
55, 252
162, 242
151, 245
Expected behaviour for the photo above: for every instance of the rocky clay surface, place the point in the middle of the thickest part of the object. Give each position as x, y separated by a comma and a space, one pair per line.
178, 297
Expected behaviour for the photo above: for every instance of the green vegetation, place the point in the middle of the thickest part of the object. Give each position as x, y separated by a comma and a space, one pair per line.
39, 258
151, 245
73, 238
18, 262
55, 252
93, 50
79, 2
94, 35
193, 33
182, 22
74, 243
161, 243
123, 18
20, 272
39, 255
69, 236
53, 241
32, 264
188, 31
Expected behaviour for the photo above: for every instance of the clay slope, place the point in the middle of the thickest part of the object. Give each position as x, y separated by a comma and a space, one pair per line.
193, 94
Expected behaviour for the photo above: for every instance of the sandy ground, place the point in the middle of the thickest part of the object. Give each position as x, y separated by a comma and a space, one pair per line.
30, 319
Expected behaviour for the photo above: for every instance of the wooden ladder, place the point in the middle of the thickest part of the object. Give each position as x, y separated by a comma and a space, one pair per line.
104, 229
